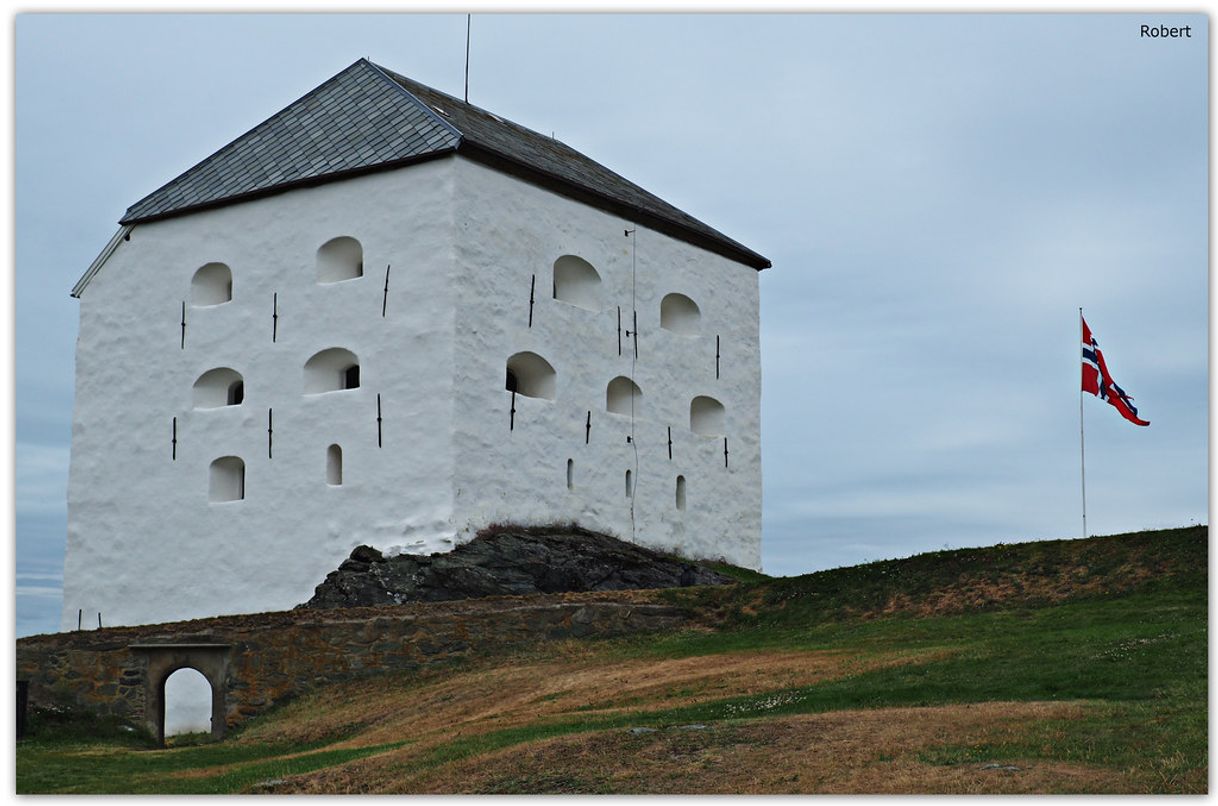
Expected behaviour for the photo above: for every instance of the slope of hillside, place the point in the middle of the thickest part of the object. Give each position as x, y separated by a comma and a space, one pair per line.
1032, 574
1064, 666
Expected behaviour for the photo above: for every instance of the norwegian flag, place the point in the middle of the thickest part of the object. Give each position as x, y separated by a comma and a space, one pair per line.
1098, 381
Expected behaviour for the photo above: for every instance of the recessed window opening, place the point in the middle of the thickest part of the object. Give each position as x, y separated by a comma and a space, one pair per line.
707, 417
187, 701
212, 284
340, 259
531, 375
218, 387
577, 283
334, 466
570, 474
629, 484
227, 479
620, 394
680, 314
331, 370
680, 492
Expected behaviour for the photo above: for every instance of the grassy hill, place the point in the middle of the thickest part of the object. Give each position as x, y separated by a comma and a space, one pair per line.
1058, 666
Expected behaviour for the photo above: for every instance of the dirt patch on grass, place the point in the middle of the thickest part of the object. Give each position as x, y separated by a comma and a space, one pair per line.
871, 751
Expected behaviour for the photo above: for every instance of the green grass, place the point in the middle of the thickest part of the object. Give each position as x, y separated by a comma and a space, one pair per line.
69, 751
101, 767
1178, 555
735, 572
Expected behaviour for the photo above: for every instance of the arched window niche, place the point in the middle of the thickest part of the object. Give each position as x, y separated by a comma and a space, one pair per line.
623, 396
530, 375
218, 387
227, 480
570, 474
331, 370
339, 259
680, 314
707, 417
334, 465
211, 285
577, 283
680, 492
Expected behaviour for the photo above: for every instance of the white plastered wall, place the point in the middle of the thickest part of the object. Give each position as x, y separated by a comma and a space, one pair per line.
507, 232
144, 543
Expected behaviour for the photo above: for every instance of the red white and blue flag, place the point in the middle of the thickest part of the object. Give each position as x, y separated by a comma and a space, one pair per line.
1098, 381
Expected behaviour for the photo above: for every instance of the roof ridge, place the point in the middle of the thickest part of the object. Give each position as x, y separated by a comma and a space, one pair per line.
401, 81
381, 71
398, 78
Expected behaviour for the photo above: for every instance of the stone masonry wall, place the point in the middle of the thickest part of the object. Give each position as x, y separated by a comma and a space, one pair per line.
275, 656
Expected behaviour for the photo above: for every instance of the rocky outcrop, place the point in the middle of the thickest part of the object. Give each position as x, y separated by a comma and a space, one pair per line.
506, 561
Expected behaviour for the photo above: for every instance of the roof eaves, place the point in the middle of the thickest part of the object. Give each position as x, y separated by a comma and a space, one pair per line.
123, 234
310, 181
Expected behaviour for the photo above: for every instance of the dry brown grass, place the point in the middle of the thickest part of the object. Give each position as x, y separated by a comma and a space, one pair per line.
577, 681
871, 751
574, 680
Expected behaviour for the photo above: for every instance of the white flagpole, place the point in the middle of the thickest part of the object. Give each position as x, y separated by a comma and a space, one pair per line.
1082, 445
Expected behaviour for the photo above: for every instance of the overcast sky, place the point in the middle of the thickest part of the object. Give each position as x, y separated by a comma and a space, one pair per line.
938, 194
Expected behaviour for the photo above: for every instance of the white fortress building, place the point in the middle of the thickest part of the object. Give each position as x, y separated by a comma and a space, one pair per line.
385, 316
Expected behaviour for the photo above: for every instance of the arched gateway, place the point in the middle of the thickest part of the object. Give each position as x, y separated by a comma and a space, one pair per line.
209, 660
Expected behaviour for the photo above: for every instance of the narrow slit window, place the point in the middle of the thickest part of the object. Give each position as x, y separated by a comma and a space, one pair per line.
351, 377
570, 474
236, 393
629, 484
680, 492
334, 466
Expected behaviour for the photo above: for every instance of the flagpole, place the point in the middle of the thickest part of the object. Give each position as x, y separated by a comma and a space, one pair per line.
1082, 445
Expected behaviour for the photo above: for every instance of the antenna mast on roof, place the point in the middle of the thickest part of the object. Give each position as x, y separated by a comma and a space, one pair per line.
467, 22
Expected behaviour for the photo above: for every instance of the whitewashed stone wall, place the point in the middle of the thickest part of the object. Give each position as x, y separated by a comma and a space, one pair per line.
510, 232
146, 545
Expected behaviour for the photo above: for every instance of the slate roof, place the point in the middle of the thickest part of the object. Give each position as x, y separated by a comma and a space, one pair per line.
369, 118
